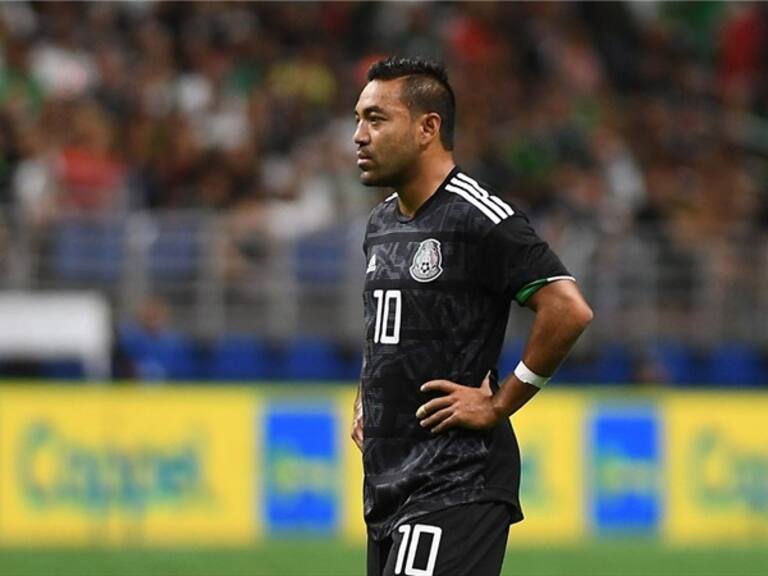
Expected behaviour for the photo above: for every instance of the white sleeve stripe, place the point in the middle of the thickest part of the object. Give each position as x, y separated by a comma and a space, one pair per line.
481, 196
475, 202
471, 181
503, 205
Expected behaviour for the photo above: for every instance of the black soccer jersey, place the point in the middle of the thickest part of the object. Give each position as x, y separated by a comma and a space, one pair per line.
437, 298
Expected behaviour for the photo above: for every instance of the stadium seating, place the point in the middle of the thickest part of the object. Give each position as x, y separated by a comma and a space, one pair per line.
62, 370
242, 358
319, 257
174, 254
159, 357
679, 363
736, 364
87, 251
614, 366
311, 359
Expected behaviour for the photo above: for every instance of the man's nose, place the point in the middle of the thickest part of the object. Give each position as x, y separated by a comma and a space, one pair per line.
361, 135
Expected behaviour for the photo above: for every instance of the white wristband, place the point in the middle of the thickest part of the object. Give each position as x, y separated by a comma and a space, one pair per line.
525, 374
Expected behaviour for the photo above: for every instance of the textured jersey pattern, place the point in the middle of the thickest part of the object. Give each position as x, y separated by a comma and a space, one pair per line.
436, 301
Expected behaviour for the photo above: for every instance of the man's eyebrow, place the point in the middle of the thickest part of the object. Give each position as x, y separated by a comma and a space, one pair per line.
372, 110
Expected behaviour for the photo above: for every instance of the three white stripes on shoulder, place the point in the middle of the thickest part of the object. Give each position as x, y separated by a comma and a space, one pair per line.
492, 206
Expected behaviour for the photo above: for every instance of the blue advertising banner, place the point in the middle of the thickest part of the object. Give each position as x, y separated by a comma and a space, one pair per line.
626, 470
301, 464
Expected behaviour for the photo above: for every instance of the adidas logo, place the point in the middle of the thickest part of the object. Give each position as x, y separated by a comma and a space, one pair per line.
371, 265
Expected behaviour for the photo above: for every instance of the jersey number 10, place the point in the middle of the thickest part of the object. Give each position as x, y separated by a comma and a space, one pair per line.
385, 331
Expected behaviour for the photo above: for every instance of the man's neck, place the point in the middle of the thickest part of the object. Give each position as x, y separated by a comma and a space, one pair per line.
412, 194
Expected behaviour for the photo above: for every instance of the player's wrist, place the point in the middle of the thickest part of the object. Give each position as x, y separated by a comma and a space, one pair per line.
500, 410
525, 374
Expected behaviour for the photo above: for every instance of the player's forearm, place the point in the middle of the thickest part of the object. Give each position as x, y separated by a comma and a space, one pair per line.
561, 317
558, 324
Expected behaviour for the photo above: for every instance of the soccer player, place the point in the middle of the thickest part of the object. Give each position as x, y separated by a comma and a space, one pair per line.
446, 258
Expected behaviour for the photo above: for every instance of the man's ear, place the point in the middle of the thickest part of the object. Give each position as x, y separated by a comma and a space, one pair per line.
429, 128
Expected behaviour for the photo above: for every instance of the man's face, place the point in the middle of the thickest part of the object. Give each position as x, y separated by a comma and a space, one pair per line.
387, 149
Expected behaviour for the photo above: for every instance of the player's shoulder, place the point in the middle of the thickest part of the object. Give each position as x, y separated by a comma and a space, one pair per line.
477, 203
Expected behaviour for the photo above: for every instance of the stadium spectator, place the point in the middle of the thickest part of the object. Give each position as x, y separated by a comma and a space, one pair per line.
607, 120
147, 347
178, 83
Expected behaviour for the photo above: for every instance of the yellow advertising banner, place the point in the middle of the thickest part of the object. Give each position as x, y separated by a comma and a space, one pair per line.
550, 431
352, 503
127, 466
717, 468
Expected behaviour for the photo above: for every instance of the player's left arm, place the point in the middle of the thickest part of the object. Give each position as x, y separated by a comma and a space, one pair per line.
562, 314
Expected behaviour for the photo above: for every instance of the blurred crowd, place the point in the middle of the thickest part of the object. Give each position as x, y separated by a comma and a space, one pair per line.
606, 114
604, 121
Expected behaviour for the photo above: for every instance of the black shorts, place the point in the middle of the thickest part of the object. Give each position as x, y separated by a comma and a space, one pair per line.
464, 540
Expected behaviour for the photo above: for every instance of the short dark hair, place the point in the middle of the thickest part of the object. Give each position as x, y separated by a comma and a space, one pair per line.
426, 89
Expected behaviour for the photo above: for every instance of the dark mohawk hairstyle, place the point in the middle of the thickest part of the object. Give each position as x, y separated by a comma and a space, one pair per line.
426, 89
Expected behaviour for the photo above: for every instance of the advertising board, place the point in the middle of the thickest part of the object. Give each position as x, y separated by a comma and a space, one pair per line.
717, 481
106, 467
550, 432
625, 469
301, 472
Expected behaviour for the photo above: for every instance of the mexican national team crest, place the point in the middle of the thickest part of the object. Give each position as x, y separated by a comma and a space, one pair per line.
427, 262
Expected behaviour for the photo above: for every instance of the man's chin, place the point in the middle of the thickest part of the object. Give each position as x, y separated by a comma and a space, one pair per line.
369, 179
